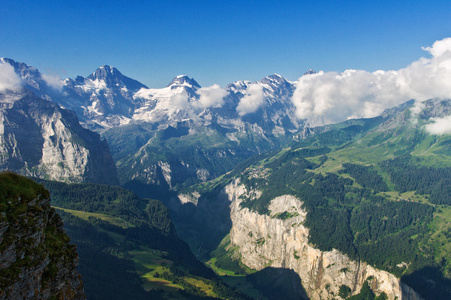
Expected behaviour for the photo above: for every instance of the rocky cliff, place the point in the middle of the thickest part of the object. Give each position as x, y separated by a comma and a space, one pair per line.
39, 139
36, 259
280, 240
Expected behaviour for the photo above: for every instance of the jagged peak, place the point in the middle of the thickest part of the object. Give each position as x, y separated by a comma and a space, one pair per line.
6, 60
113, 76
275, 79
184, 80
241, 83
310, 71
275, 75
238, 86
105, 72
20, 67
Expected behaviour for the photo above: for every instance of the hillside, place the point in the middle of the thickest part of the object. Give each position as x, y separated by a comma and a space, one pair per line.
374, 192
37, 260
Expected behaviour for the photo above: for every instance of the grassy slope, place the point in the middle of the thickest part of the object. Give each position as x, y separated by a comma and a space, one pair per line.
85, 215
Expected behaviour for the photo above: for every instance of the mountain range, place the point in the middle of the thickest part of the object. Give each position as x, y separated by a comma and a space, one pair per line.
218, 127
356, 207
107, 99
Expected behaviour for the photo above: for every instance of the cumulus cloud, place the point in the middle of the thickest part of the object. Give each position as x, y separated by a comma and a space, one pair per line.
251, 102
180, 100
332, 97
212, 96
439, 126
53, 81
8, 78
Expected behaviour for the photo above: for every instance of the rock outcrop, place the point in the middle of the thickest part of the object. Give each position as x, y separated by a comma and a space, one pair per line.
39, 139
280, 240
36, 259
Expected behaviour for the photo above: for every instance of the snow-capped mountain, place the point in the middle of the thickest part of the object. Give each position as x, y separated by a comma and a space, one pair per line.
46, 87
103, 99
225, 125
107, 99
173, 103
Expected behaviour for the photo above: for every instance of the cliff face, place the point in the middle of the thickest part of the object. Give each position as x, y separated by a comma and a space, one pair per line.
38, 138
36, 259
281, 240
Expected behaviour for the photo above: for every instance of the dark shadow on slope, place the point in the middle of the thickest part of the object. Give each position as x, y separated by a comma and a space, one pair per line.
278, 283
430, 283
173, 132
154, 191
204, 225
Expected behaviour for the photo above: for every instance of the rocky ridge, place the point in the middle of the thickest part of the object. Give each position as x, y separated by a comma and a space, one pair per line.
39, 139
107, 99
36, 259
281, 240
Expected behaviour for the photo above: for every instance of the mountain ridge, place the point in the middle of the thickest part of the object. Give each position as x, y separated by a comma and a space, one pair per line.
38, 138
94, 98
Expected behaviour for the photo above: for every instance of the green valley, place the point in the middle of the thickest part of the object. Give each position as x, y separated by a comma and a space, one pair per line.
128, 246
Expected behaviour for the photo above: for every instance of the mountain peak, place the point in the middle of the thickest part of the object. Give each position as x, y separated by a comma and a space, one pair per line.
184, 80
310, 71
6, 60
113, 77
274, 79
22, 69
105, 72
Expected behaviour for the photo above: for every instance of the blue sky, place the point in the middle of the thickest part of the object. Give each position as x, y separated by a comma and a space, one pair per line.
219, 42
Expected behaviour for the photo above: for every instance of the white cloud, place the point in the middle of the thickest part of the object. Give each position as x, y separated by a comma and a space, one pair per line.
333, 97
180, 100
439, 48
8, 78
53, 81
212, 96
417, 108
251, 102
415, 111
439, 126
